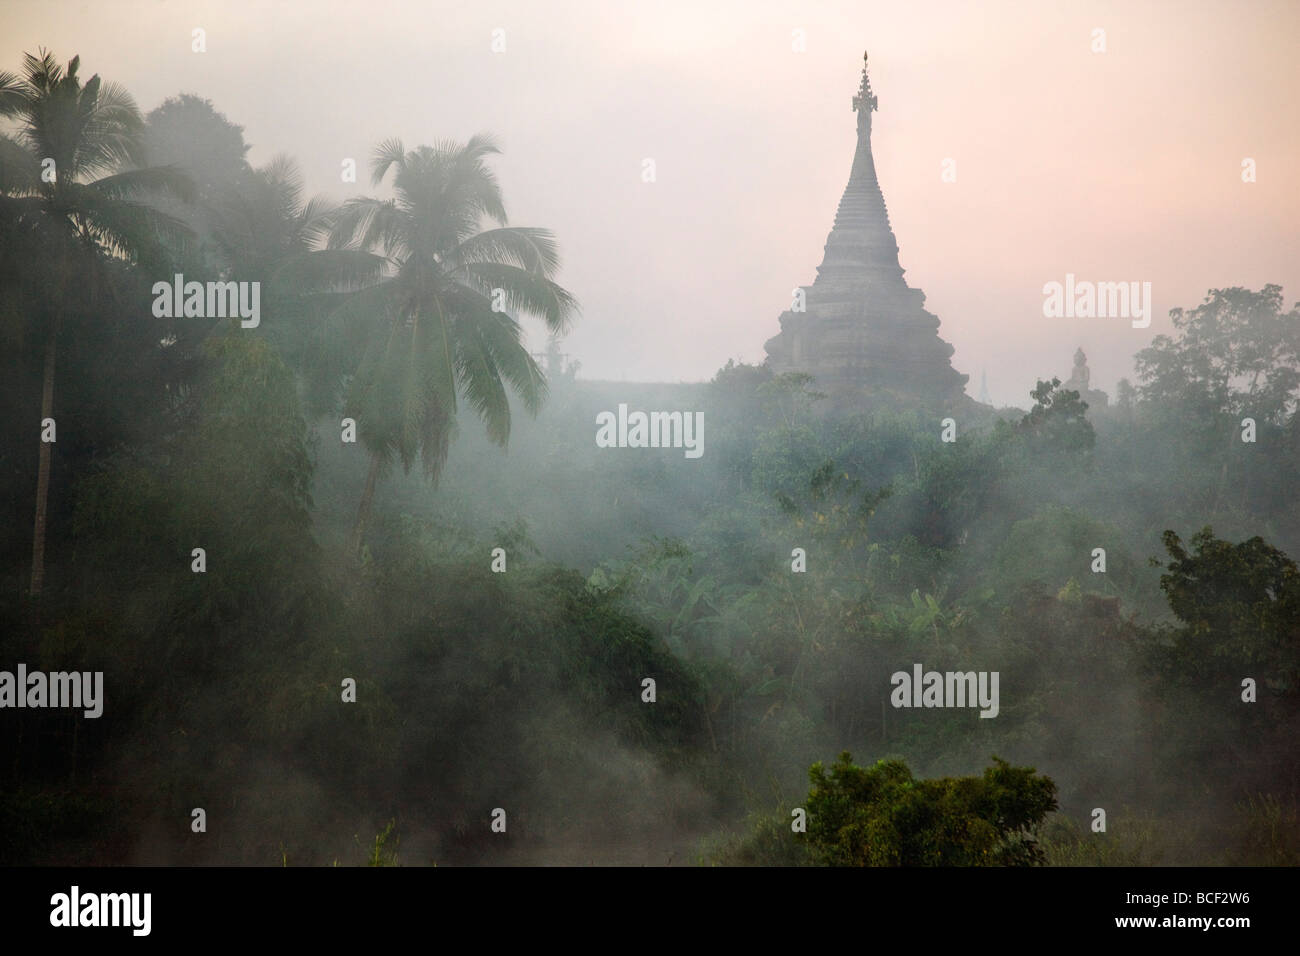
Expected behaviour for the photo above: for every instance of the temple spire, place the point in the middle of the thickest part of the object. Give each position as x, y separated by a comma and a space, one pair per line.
861, 327
861, 236
865, 103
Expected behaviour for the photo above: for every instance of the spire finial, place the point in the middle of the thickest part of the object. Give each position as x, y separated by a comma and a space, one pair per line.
865, 97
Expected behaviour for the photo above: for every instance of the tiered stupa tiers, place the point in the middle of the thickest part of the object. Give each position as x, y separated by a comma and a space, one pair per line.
864, 330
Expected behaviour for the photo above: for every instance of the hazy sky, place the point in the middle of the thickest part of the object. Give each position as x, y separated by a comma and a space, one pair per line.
1122, 165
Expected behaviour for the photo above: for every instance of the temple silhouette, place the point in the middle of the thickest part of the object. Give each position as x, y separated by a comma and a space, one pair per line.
863, 333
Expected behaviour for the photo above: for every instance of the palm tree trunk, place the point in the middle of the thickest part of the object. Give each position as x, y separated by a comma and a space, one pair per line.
43, 469
363, 512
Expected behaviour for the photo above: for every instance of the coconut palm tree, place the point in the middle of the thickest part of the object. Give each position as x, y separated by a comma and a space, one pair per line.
268, 221
267, 229
434, 321
71, 181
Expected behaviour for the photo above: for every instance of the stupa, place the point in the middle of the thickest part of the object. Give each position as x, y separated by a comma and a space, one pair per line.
863, 333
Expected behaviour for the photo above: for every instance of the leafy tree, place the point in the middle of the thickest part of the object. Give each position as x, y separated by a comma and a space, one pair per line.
1055, 546
950, 490
67, 188
1238, 608
188, 131
235, 480
1239, 605
435, 322
1237, 353
835, 508
1058, 421
791, 395
883, 816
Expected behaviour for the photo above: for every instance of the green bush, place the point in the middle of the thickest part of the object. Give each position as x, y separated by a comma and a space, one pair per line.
884, 816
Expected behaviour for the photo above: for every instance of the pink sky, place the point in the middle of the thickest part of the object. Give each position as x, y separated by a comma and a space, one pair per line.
1122, 165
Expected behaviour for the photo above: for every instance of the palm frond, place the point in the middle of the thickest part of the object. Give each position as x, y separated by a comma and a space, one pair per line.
135, 231
387, 154
154, 179
284, 180
315, 221
498, 339
367, 223
533, 249
360, 318
334, 270
13, 94
110, 129
524, 291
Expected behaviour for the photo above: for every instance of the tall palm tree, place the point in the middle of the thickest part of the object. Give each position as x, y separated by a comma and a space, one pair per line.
71, 178
268, 221
433, 322
268, 229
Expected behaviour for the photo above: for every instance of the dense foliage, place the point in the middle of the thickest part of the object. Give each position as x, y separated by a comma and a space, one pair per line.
883, 816
501, 624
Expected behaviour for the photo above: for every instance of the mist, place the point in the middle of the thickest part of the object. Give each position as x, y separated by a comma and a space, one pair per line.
512, 434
